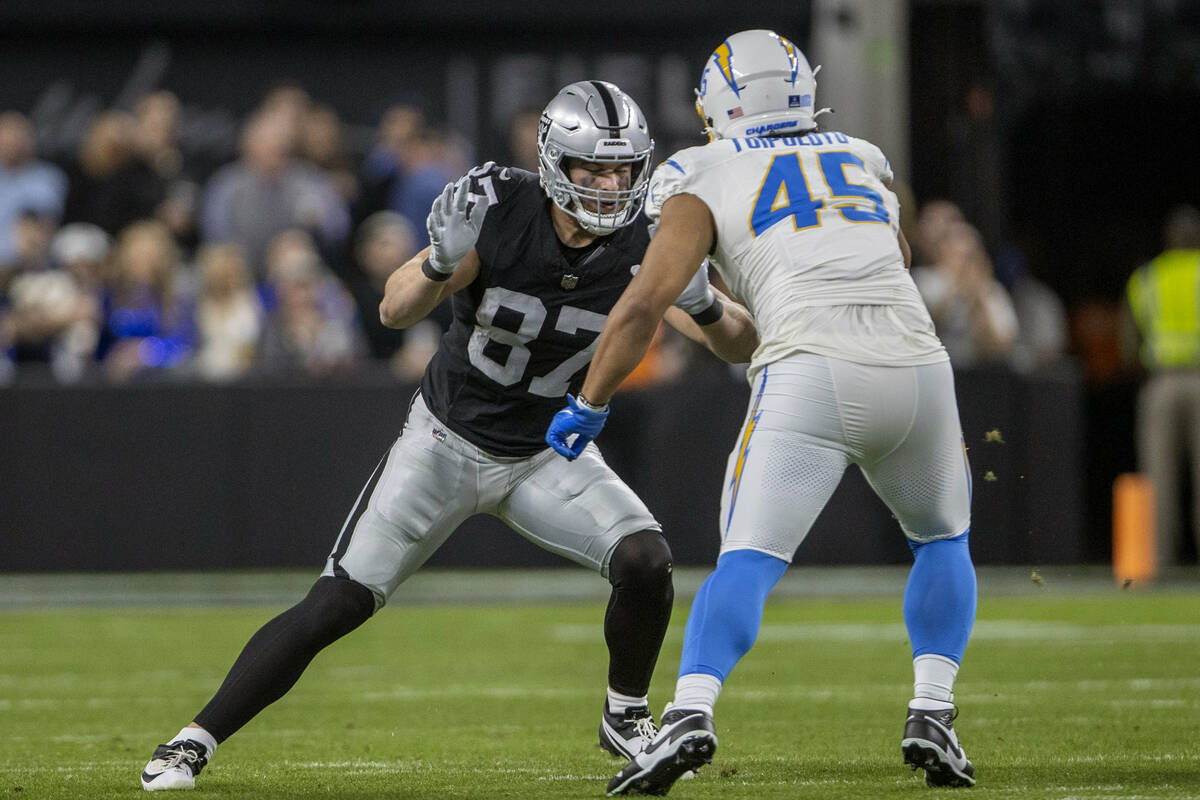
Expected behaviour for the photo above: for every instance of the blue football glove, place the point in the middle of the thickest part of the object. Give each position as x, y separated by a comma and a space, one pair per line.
581, 420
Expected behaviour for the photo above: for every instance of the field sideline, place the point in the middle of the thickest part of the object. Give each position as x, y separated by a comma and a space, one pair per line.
488, 684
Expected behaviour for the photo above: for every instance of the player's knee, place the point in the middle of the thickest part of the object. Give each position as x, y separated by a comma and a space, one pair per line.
954, 544
336, 606
643, 561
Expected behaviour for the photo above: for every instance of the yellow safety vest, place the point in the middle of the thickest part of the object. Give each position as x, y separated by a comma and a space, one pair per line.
1165, 298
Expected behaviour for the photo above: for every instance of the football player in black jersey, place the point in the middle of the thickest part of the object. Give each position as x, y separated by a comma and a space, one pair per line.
533, 264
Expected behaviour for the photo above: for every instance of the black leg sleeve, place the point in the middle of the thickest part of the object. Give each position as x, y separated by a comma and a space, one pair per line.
638, 610
273, 659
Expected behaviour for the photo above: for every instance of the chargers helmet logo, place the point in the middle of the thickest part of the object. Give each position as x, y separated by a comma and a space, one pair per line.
723, 59
790, 49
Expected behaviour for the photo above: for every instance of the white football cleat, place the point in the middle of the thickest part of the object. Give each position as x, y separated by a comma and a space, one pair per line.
175, 766
627, 734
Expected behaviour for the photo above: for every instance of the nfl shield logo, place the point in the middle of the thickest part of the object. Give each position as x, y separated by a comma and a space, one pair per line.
569, 281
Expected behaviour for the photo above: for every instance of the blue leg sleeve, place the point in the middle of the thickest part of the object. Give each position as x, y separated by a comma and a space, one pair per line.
727, 611
939, 601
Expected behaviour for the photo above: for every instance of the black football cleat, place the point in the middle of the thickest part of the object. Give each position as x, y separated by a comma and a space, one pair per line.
931, 744
686, 742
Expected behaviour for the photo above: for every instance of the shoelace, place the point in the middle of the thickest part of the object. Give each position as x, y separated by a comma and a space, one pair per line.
179, 755
645, 728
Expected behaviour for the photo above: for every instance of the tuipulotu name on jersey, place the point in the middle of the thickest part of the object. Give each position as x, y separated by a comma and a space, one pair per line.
771, 142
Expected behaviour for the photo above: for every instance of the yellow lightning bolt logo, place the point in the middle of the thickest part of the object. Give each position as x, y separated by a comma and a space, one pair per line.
744, 449
790, 49
723, 58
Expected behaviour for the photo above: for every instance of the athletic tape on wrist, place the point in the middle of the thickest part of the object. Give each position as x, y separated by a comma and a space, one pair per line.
711, 314
434, 274
590, 406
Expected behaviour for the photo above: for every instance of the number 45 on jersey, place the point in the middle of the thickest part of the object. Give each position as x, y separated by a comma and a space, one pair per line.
785, 176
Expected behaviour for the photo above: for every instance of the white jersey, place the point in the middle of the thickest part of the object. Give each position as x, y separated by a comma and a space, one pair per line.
806, 232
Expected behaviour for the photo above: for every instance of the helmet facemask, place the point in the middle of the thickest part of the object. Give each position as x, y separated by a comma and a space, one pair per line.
598, 211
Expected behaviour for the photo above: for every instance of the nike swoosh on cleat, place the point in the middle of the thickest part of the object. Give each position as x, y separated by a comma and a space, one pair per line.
676, 734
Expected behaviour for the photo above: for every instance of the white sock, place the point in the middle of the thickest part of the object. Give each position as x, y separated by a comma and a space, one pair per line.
929, 704
697, 690
933, 678
617, 702
199, 735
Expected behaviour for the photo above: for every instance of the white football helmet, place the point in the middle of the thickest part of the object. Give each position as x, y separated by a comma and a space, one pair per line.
757, 83
594, 121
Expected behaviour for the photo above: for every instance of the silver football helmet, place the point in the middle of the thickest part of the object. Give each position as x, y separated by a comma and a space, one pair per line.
594, 121
757, 83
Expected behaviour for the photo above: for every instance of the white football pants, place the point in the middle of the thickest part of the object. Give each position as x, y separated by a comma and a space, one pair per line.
812, 416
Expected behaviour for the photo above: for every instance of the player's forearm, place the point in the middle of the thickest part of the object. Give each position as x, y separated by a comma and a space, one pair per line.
733, 337
619, 350
409, 295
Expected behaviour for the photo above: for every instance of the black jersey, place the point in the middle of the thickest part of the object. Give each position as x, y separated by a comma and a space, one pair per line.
524, 331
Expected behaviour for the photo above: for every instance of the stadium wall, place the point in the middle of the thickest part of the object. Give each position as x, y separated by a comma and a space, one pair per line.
171, 476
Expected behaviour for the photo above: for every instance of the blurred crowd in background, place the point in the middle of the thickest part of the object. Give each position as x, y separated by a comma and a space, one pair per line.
129, 263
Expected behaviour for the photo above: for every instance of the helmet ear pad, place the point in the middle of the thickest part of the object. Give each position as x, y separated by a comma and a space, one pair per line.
594, 121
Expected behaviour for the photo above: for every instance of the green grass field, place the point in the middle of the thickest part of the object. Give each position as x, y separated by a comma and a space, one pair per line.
1071, 689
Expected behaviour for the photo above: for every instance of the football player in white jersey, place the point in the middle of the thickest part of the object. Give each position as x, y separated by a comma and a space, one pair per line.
803, 229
